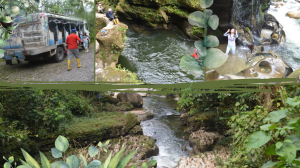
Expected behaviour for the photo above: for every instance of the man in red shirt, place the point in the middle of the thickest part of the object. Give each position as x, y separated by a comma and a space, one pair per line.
72, 48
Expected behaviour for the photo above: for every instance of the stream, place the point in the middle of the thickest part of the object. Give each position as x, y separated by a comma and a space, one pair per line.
154, 55
167, 129
289, 52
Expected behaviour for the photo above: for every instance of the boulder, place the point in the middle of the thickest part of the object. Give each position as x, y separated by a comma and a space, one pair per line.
272, 67
135, 99
136, 130
110, 99
204, 141
111, 44
294, 14
144, 117
184, 118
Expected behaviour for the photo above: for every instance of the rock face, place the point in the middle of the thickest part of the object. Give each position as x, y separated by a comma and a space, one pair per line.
159, 13
202, 141
135, 99
111, 44
250, 15
108, 50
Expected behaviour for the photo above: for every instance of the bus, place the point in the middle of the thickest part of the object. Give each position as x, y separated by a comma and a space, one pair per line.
43, 36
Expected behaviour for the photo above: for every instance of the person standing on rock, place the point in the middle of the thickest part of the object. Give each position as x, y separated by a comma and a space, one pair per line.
231, 40
85, 39
72, 48
111, 16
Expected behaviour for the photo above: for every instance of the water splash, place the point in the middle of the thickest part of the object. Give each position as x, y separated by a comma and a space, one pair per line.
290, 51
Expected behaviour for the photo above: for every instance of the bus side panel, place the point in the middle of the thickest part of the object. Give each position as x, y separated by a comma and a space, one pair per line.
51, 38
60, 41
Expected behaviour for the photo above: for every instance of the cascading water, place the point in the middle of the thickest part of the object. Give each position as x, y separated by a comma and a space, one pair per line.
155, 56
167, 129
289, 52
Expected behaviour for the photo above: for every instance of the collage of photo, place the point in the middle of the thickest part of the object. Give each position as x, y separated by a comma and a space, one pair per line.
150, 83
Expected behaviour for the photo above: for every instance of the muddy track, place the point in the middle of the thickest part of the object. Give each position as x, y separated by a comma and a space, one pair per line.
46, 70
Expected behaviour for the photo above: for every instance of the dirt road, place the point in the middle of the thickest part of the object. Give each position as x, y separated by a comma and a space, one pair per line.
46, 70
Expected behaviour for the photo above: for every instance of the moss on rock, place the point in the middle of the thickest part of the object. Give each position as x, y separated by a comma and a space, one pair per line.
130, 121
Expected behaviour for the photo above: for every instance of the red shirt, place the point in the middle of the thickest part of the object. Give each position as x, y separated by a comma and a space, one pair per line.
72, 41
195, 54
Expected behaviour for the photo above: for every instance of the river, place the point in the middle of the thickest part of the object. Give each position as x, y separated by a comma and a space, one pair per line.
167, 129
154, 56
290, 51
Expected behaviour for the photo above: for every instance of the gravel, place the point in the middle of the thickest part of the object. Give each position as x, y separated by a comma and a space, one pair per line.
46, 70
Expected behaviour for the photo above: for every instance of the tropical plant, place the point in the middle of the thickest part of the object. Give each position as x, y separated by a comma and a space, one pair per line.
9, 10
73, 161
212, 57
263, 139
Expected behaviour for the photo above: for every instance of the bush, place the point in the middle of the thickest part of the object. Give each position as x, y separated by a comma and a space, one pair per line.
38, 110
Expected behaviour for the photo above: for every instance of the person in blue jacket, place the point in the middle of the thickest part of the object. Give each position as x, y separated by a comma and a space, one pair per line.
111, 16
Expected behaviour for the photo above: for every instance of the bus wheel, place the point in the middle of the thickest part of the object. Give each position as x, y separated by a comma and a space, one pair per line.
59, 56
8, 62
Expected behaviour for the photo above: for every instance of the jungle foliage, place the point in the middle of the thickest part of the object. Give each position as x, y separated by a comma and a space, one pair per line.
264, 126
28, 115
74, 161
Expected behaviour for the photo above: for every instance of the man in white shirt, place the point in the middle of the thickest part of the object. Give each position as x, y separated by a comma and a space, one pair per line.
100, 8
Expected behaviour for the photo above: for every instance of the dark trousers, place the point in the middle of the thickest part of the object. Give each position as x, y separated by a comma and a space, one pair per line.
112, 18
102, 11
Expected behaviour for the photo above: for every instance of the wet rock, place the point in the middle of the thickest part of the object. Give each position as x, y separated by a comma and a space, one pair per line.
203, 141
213, 75
234, 77
294, 14
183, 148
135, 99
294, 74
136, 130
184, 117
246, 15
278, 35
144, 117
268, 68
257, 49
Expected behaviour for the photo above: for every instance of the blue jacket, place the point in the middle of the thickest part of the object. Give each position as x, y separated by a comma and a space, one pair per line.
110, 14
